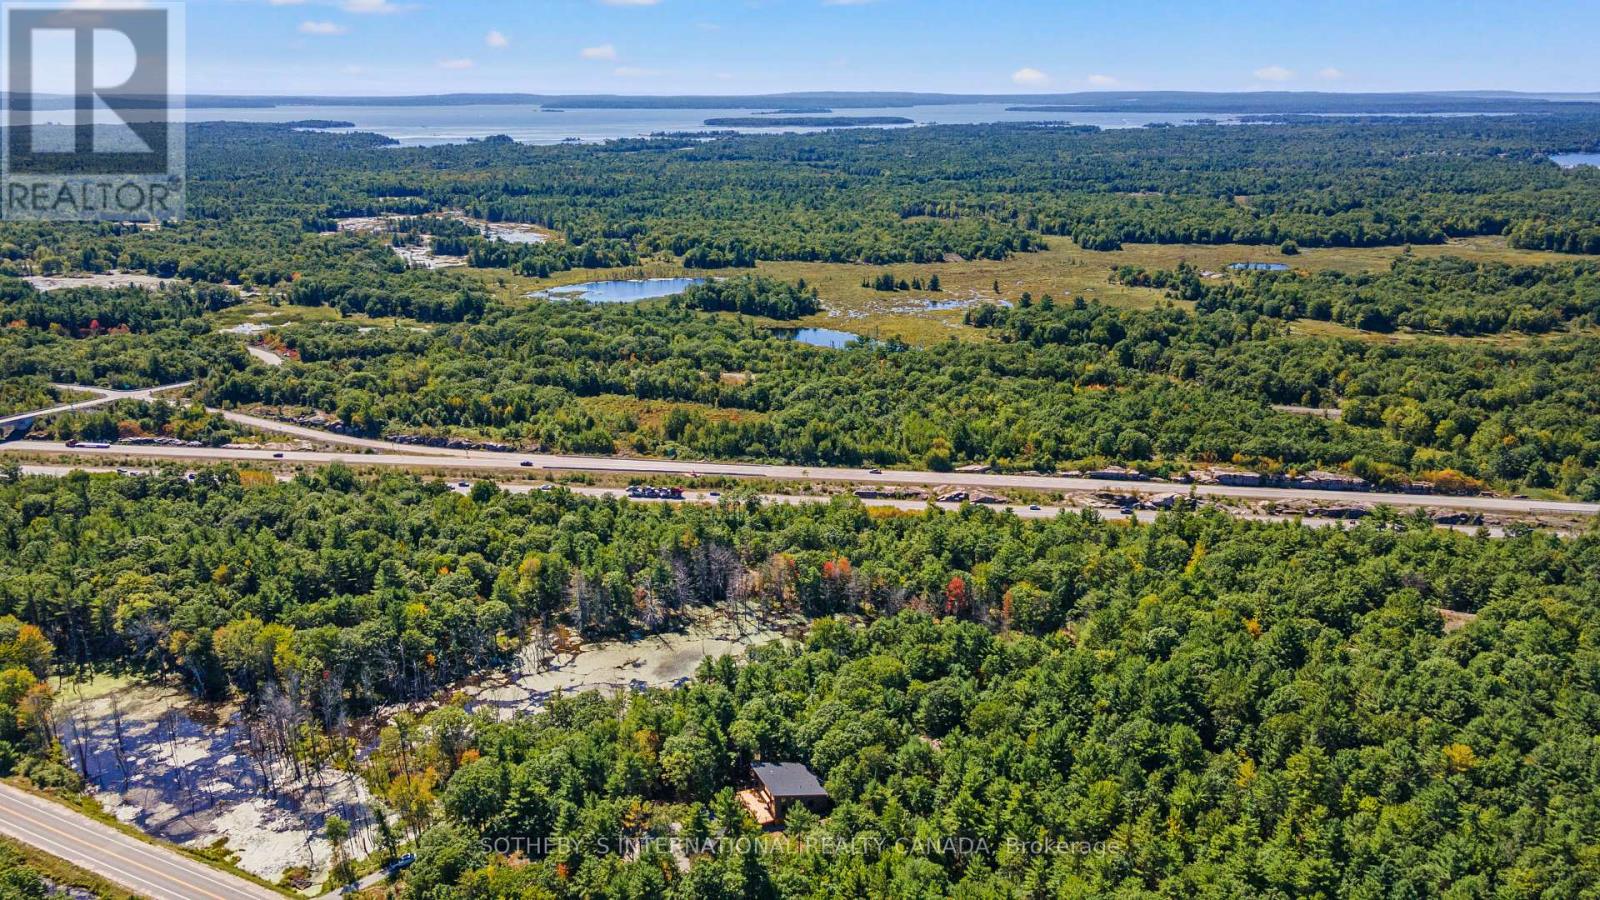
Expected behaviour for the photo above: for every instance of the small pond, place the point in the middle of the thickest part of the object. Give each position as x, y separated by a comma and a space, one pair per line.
1258, 267
819, 337
620, 291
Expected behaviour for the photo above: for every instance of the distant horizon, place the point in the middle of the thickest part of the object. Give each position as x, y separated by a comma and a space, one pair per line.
900, 96
1486, 93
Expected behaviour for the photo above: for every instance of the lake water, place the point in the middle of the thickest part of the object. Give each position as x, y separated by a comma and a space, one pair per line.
1573, 160
620, 291
818, 337
1258, 267
429, 125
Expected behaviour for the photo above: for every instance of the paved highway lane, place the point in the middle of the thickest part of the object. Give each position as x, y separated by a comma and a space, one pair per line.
487, 463
146, 869
414, 455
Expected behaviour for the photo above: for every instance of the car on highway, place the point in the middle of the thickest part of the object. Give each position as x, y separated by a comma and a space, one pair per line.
1034, 507
526, 464
277, 456
401, 864
89, 445
874, 471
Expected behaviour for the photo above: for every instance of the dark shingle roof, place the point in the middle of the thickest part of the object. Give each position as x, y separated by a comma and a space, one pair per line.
788, 780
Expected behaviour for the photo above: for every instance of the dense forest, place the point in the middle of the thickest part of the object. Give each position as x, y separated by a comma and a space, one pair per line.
752, 296
1189, 734
133, 421
995, 705
1446, 295
27, 738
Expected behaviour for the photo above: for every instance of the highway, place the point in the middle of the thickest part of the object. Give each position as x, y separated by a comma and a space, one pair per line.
1039, 511
412, 455
146, 869
404, 456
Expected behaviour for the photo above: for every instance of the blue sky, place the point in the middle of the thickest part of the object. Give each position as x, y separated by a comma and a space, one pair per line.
757, 46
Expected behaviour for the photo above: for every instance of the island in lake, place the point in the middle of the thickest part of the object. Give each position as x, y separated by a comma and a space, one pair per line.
805, 121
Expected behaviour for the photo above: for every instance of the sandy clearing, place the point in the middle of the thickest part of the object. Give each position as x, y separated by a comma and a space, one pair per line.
185, 771
98, 280
181, 770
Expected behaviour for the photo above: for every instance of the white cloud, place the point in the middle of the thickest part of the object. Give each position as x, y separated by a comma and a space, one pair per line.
1331, 74
456, 63
369, 6
603, 52
1103, 80
322, 28
497, 39
1274, 73
1030, 77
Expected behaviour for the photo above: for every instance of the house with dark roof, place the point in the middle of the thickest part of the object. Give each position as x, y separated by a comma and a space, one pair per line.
778, 786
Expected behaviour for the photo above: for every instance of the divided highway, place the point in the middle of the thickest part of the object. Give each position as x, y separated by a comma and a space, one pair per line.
388, 453
404, 456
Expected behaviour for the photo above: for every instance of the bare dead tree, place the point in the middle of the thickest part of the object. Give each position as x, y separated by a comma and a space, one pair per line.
119, 746
540, 646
